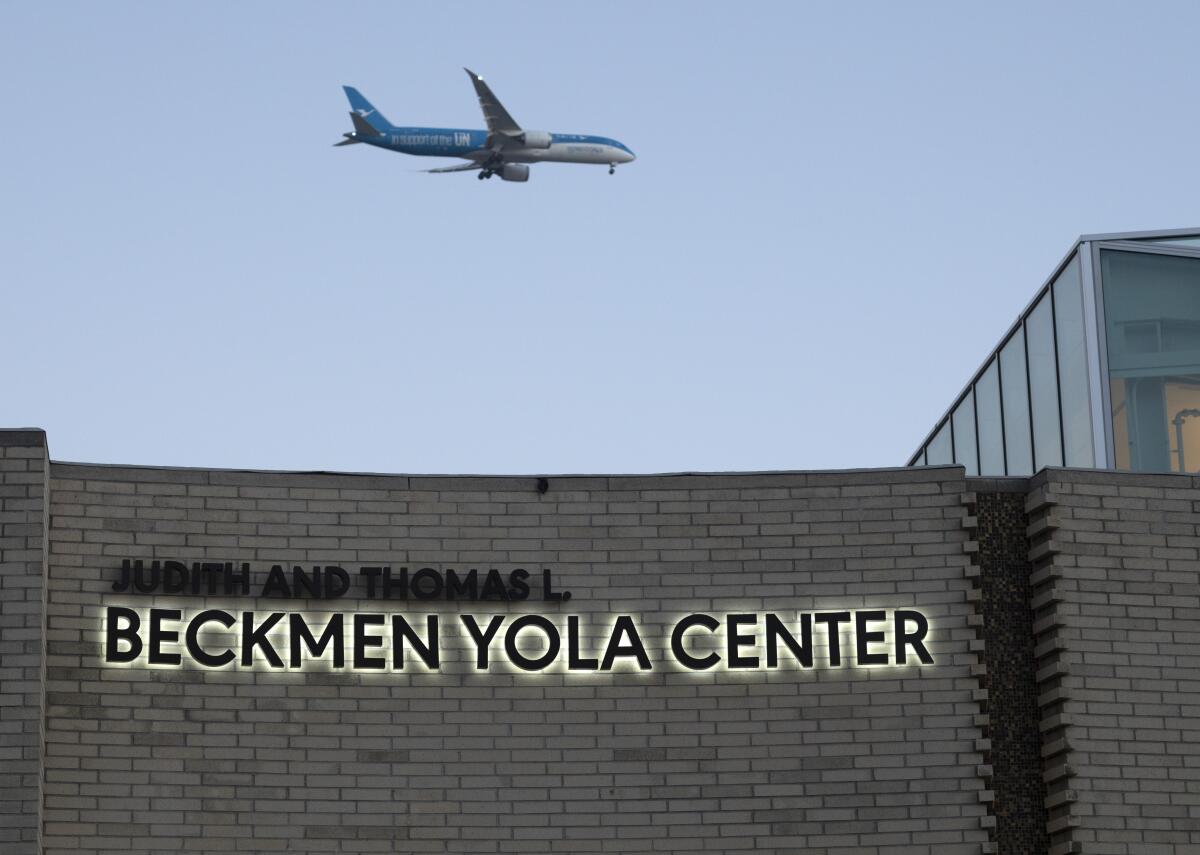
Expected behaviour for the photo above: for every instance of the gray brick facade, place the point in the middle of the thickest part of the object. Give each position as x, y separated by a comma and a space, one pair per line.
1058, 713
831, 760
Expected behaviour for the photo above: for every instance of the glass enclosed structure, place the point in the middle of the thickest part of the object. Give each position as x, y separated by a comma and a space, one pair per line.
1102, 370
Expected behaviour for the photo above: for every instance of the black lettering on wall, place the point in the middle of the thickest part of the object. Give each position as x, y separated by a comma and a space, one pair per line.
125, 580
576, 662
518, 584
482, 638
863, 638
403, 635
115, 634
371, 574
914, 639
159, 636
516, 657
734, 641
464, 587
333, 636
239, 582
337, 582
833, 635
427, 584
625, 628
253, 637
363, 640
801, 649
305, 584
277, 583
494, 587
211, 572
174, 577
146, 581
392, 585
548, 592
192, 638
682, 656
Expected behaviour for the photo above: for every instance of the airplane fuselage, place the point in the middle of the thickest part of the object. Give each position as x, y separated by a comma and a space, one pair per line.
472, 145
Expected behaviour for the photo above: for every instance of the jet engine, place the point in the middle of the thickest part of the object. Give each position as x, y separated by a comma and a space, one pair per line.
533, 139
514, 172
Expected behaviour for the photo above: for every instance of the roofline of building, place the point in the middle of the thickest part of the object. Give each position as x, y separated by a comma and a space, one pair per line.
116, 468
1145, 235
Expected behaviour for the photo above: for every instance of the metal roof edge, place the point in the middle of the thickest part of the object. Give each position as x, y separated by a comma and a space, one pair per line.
1142, 235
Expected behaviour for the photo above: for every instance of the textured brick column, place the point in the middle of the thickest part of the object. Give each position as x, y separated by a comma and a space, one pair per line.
23, 526
1013, 761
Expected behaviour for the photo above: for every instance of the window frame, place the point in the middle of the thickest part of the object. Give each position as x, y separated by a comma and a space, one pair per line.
1105, 396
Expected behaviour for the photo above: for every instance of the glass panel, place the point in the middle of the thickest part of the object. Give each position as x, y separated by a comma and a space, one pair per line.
1120, 429
964, 435
1043, 385
938, 451
1152, 321
987, 417
1073, 368
1014, 390
1178, 241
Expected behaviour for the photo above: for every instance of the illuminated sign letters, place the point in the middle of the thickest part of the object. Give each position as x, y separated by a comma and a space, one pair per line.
368, 640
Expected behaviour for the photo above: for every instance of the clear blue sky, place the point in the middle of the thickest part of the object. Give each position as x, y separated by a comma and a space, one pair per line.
836, 211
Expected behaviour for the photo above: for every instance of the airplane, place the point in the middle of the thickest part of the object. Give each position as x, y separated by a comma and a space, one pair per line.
505, 148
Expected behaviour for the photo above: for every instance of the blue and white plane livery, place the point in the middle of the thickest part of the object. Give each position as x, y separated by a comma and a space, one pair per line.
504, 149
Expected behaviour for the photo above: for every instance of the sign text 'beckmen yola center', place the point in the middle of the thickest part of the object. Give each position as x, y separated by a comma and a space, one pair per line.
377, 641
994, 649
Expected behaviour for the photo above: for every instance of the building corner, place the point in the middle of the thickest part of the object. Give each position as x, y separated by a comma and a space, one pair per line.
24, 522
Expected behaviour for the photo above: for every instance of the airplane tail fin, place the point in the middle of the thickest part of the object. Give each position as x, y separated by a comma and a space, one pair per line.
366, 114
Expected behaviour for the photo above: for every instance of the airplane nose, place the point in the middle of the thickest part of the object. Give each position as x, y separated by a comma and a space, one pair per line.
628, 157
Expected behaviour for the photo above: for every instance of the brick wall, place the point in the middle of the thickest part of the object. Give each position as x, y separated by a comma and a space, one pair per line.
837, 760
23, 477
1117, 605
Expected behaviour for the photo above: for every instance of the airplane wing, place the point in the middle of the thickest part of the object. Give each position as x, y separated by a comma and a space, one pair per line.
462, 167
499, 123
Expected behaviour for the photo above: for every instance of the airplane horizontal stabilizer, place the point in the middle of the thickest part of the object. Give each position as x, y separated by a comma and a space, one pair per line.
362, 127
349, 140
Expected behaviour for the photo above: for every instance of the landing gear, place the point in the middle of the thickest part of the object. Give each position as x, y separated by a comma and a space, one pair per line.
485, 173
612, 167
